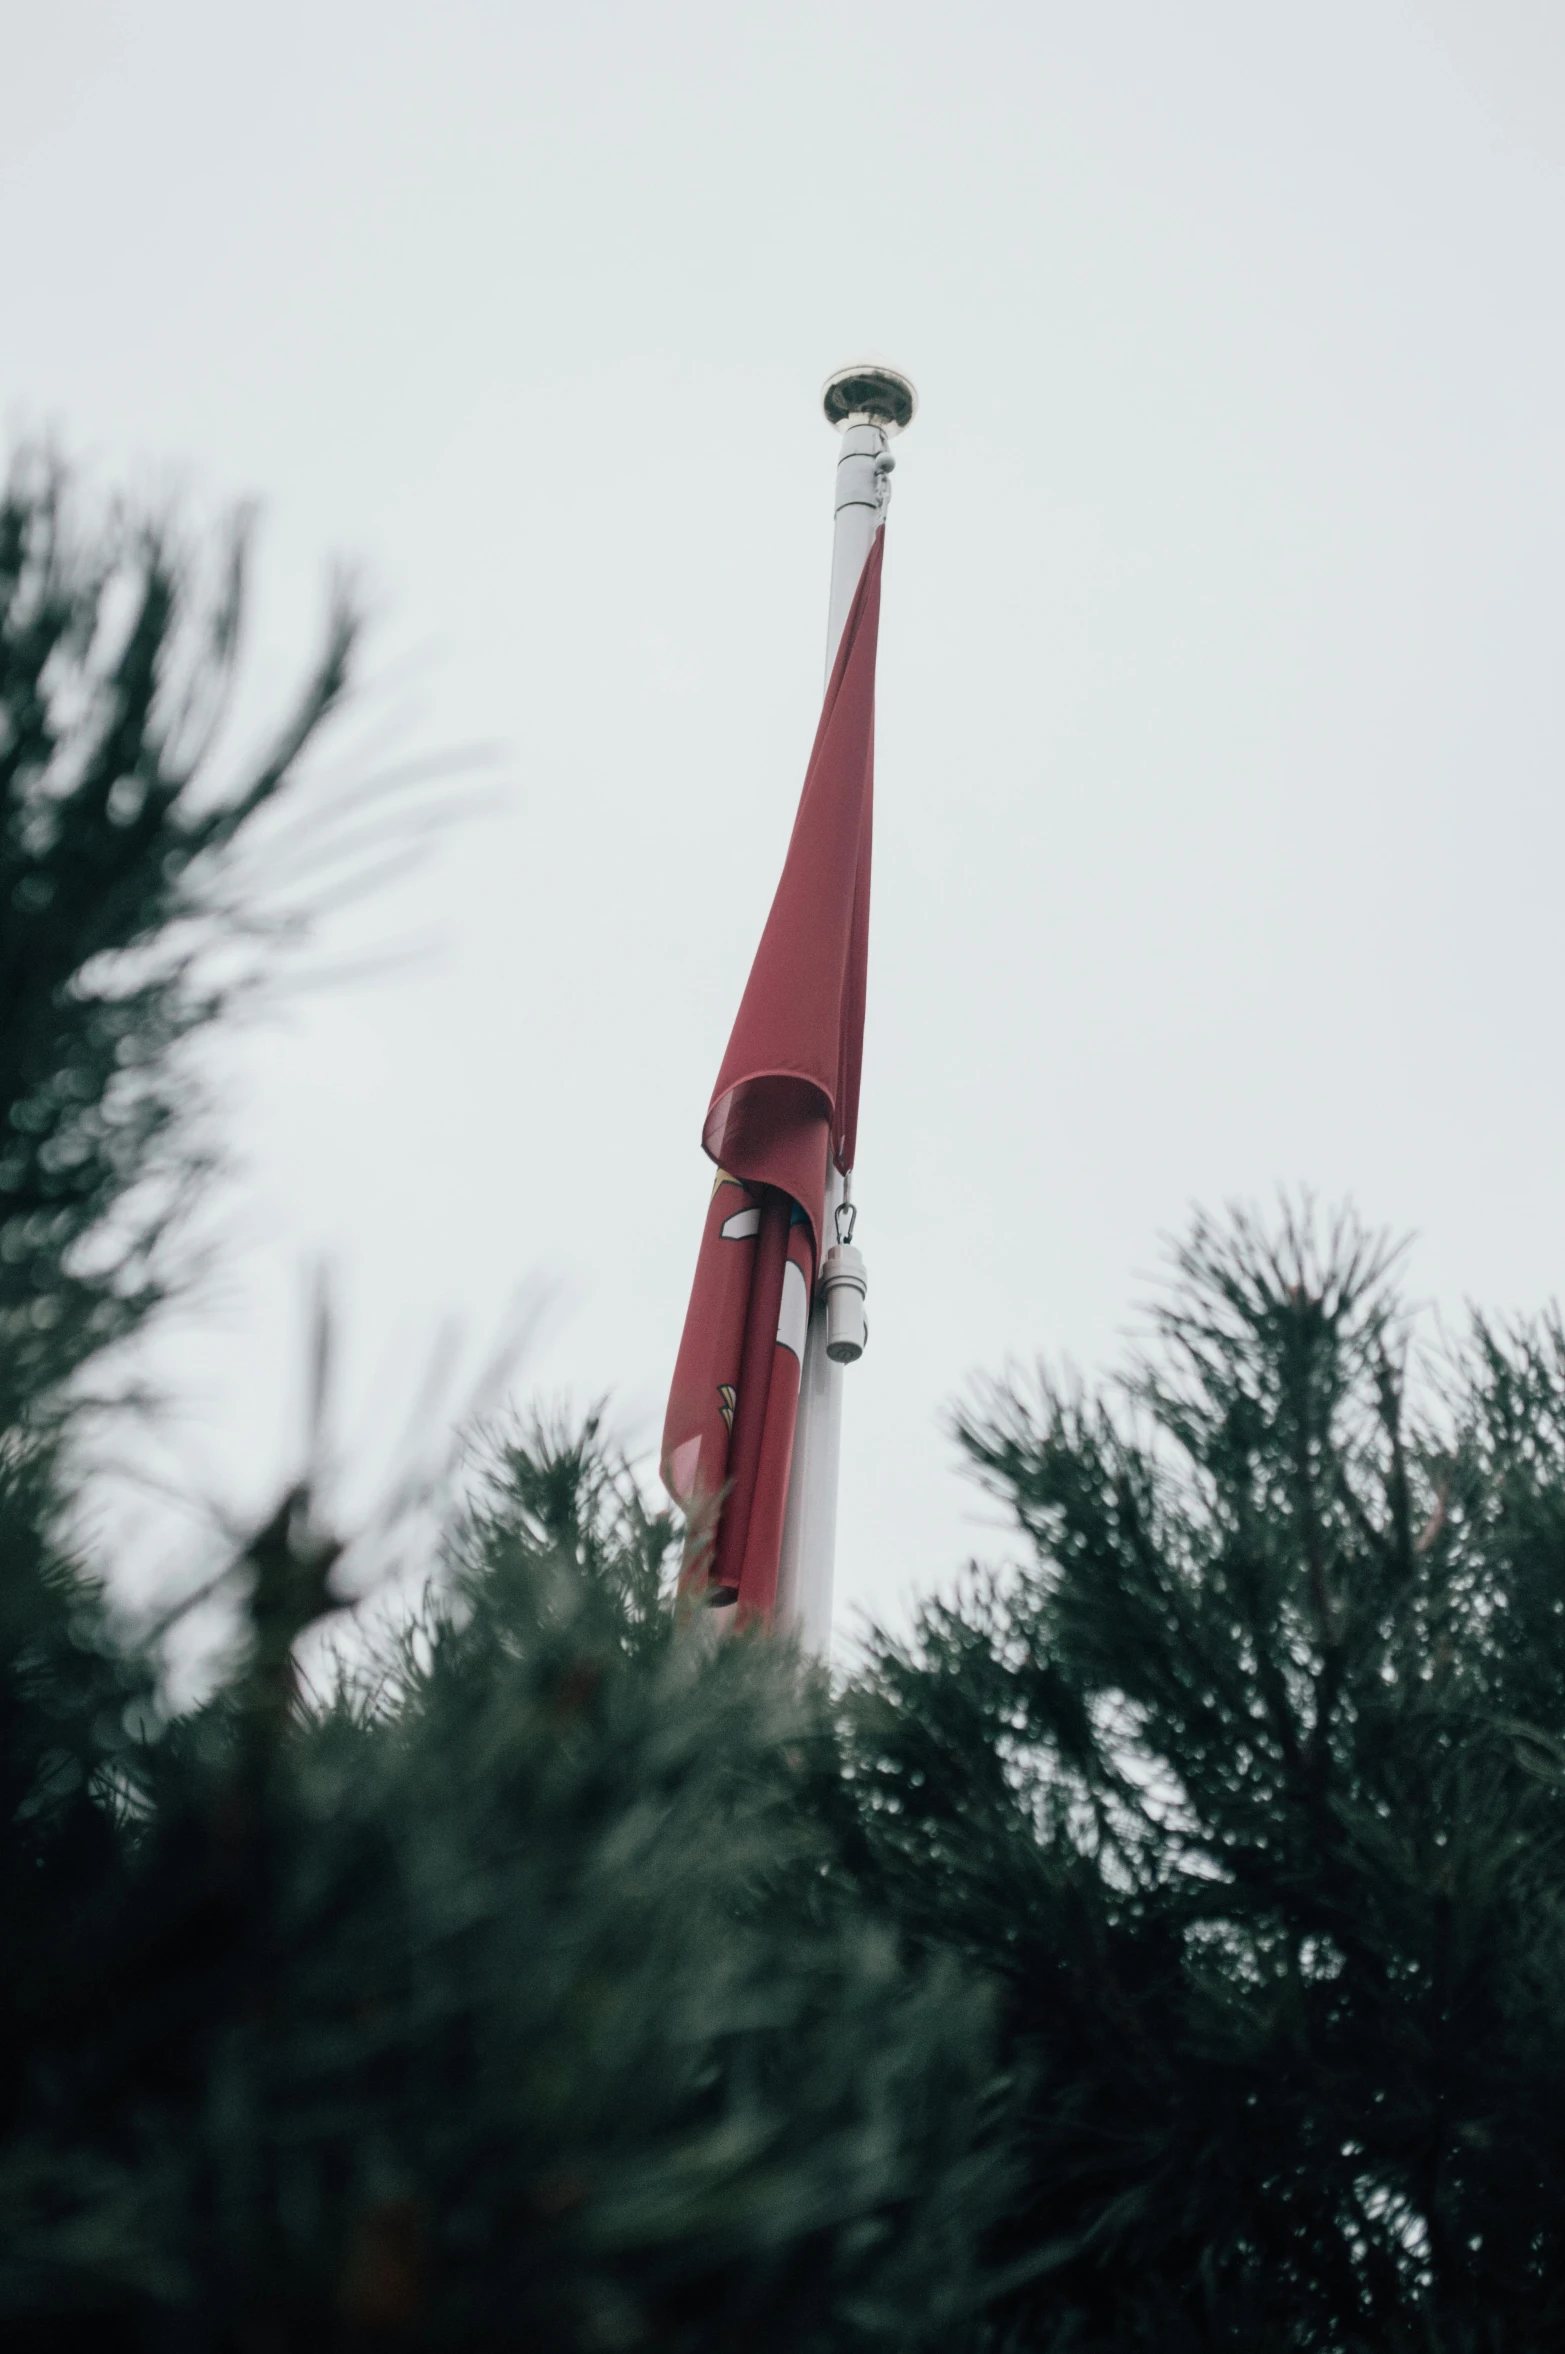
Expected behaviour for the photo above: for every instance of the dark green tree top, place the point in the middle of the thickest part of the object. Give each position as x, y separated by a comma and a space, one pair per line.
1245, 1785
117, 834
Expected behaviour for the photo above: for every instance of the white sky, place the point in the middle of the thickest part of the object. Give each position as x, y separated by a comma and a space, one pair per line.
1220, 825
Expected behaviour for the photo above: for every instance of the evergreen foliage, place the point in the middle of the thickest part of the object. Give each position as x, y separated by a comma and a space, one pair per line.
504, 2003
116, 840
1245, 1789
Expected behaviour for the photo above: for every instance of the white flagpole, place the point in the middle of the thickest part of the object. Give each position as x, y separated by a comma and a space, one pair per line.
867, 404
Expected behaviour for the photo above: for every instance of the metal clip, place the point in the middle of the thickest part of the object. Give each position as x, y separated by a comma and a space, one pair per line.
883, 471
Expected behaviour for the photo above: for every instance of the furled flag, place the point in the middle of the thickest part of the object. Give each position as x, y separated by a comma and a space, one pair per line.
785, 1104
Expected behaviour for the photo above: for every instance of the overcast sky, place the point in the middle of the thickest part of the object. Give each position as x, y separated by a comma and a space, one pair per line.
1220, 828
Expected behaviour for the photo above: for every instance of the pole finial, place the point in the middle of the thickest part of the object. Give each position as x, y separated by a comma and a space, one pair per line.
869, 394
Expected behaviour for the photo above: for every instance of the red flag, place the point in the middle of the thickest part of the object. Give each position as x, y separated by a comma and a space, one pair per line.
786, 1102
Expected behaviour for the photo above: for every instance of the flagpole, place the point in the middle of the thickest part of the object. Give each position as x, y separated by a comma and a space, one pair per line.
868, 404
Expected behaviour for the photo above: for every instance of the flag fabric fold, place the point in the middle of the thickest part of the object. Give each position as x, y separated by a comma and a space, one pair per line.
785, 1107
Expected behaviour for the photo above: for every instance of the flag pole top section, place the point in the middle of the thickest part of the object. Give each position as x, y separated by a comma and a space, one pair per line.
869, 394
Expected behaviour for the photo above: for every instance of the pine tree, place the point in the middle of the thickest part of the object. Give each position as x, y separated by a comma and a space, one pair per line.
1245, 1786
505, 1996
118, 838
115, 846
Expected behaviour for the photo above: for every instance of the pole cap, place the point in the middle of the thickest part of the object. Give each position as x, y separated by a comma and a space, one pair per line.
869, 394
